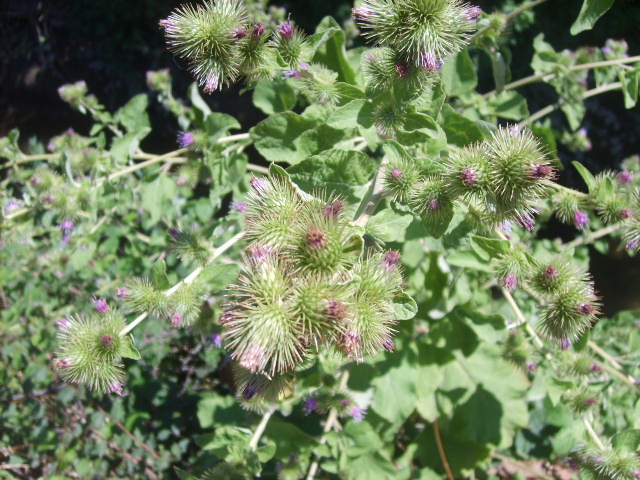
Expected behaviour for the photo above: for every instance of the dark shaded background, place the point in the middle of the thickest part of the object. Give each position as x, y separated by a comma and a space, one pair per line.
112, 43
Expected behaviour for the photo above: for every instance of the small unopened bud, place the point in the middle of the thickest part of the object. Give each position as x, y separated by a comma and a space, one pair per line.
541, 171
351, 342
185, 139
106, 340
122, 292
100, 304
631, 245
509, 283
286, 30
216, 340
310, 404
397, 174
176, 320
357, 414
239, 33
291, 74
590, 401
626, 213
63, 324
513, 129
473, 13
430, 63
336, 310
260, 185
258, 30
390, 259
565, 343
402, 69
550, 272
316, 237
527, 222
260, 253
580, 219
35, 181
586, 308
181, 181
238, 207
61, 363
67, 227
333, 209
116, 387
211, 84
532, 366
434, 204
361, 13
388, 344
595, 368
253, 358
468, 177
625, 177
251, 390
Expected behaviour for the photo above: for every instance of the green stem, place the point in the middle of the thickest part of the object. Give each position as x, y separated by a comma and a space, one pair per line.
374, 195
329, 425
253, 444
545, 77
591, 237
592, 433
509, 16
139, 166
192, 276
550, 108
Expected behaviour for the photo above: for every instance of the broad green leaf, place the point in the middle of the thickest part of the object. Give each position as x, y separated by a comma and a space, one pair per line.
395, 387
156, 196
288, 438
328, 42
124, 147
159, 276
629, 80
218, 124
128, 350
404, 307
219, 277
586, 175
458, 74
459, 129
489, 247
133, 116
589, 14
274, 96
389, 225
346, 116
628, 440
335, 166
81, 255
201, 108
499, 68
508, 104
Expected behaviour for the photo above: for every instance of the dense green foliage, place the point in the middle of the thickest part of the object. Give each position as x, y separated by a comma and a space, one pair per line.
376, 303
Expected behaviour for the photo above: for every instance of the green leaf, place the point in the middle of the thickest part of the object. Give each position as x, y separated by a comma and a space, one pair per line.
458, 74
201, 108
124, 147
395, 387
489, 247
128, 350
508, 104
328, 43
499, 68
133, 116
274, 96
288, 438
288, 137
459, 129
628, 440
629, 80
335, 166
389, 225
218, 124
589, 14
159, 276
219, 277
404, 307
182, 475
81, 255
346, 116
156, 196
586, 175
216, 409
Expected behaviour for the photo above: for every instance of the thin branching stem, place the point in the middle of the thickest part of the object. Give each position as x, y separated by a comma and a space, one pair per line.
545, 77
510, 16
441, 452
592, 236
592, 433
253, 443
189, 279
329, 425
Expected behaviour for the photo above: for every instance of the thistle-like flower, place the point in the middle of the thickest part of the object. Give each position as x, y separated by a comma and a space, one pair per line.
206, 36
570, 312
422, 31
91, 350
